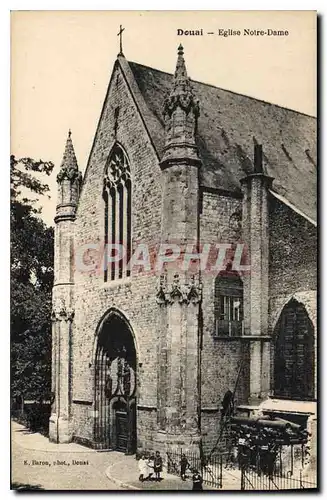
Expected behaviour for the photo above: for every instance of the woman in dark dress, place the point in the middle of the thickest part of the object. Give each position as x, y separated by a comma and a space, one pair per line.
197, 481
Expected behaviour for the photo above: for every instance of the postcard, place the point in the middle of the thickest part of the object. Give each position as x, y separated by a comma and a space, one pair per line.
163, 250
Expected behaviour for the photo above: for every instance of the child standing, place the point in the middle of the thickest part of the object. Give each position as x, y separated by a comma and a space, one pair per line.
150, 466
143, 469
157, 465
184, 464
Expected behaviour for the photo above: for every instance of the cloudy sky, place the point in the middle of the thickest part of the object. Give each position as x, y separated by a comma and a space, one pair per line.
62, 60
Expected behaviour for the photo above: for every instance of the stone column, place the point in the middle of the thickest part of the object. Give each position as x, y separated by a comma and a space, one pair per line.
69, 181
255, 189
179, 291
178, 363
60, 430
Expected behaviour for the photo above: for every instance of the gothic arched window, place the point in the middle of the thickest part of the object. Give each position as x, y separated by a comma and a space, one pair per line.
228, 304
117, 195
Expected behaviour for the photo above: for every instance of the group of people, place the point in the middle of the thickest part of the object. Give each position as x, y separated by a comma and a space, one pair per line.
149, 465
152, 464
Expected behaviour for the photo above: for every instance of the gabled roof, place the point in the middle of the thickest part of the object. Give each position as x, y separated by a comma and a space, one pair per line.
229, 126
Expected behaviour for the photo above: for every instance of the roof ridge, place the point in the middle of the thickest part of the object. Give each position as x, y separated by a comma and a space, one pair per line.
226, 90
292, 206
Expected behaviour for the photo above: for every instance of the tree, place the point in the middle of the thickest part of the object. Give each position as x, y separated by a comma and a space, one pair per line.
31, 280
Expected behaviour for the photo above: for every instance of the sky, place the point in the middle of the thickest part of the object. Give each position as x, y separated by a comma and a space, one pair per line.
61, 63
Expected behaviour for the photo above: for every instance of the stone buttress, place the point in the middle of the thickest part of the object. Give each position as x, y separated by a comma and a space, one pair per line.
179, 290
255, 187
69, 183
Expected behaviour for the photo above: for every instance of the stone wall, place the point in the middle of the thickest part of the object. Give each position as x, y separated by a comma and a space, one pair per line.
292, 256
292, 247
219, 223
134, 297
292, 265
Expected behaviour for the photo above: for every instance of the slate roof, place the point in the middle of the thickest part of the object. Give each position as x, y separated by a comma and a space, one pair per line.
229, 126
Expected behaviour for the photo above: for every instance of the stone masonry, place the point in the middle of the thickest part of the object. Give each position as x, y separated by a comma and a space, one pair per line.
183, 368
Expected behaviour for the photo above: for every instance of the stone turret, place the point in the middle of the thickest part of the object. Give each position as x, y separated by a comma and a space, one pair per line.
179, 291
69, 181
180, 160
181, 112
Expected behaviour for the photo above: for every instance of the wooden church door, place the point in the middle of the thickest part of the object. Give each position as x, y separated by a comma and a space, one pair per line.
115, 387
121, 430
294, 353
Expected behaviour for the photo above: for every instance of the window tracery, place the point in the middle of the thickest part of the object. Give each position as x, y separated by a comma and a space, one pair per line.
117, 191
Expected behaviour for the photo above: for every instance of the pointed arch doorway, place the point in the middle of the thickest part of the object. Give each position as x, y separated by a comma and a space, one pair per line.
294, 353
115, 385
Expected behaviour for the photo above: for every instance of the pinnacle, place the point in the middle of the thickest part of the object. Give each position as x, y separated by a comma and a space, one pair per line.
181, 93
180, 133
69, 161
181, 79
69, 158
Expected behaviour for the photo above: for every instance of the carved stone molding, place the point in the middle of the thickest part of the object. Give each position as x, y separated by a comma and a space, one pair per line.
181, 94
69, 173
185, 101
69, 168
62, 313
183, 293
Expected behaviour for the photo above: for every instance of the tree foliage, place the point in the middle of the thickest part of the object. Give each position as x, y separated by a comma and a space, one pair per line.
31, 280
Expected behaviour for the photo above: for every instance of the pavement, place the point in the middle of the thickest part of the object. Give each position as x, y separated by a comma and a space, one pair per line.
125, 474
39, 464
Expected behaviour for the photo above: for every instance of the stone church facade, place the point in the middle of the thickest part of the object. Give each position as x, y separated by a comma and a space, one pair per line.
143, 354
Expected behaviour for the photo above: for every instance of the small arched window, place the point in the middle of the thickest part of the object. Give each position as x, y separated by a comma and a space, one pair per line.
228, 304
117, 195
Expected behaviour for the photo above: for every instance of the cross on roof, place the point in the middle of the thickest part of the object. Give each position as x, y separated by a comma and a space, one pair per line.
120, 34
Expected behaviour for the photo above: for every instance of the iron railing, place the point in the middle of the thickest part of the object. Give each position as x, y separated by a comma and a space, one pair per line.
264, 473
255, 480
210, 468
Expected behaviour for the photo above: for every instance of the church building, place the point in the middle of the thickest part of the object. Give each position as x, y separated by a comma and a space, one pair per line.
185, 266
